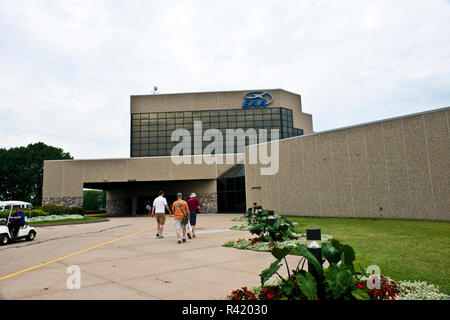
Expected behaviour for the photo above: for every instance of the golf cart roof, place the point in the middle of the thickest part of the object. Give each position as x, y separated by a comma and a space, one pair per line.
14, 203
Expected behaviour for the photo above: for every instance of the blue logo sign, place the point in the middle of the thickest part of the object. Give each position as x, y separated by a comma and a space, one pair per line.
257, 99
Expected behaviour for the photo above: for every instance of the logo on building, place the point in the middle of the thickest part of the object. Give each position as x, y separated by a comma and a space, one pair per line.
257, 99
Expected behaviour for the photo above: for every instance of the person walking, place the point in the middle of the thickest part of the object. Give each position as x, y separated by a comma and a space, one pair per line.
158, 209
148, 207
194, 208
180, 210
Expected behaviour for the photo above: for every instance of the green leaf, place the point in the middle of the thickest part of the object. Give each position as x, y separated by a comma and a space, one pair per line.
307, 285
280, 253
348, 255
360, 294
256, 229
275, 226
338, 280
289, 222
310, 257
330, 253
287, 287
266, 274
337, 245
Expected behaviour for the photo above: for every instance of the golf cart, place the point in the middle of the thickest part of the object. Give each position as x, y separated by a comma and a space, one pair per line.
25, 231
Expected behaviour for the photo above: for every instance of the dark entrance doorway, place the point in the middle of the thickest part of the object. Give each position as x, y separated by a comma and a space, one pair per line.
231, 190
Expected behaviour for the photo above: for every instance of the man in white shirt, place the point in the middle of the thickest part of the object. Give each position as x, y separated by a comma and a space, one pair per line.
159, 206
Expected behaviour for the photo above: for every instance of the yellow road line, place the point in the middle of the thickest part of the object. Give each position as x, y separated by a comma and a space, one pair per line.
75, 253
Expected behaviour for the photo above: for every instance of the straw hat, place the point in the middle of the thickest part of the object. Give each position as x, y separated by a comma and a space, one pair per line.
193, 195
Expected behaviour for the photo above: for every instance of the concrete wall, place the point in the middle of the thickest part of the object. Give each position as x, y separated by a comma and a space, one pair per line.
219, 100
64, 179
401, 165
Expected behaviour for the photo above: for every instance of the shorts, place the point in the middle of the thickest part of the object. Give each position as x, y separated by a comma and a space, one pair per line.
193, 218
160, 217
178, 224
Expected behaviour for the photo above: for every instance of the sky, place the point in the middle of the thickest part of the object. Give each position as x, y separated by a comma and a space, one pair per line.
68, 68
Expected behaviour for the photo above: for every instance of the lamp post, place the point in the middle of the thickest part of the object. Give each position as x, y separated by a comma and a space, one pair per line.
271, 218
314, 246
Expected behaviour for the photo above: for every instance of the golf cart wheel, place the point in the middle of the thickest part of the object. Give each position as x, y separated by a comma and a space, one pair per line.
3, 239
31, 236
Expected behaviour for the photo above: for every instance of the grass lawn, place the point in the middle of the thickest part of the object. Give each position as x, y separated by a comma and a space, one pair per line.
55, 222
403, 249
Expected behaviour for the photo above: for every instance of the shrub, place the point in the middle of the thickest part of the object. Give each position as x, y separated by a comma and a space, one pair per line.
54, 209
338, 281
76, 210
94, 211
38, 213
278, 229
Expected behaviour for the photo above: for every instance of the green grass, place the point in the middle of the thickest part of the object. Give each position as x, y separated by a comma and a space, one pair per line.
403, 249
56, 222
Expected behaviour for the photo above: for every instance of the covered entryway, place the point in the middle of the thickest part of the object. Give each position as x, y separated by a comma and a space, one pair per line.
231, 190
130, 198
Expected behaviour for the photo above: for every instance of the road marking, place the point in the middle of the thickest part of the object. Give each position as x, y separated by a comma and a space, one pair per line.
75, 253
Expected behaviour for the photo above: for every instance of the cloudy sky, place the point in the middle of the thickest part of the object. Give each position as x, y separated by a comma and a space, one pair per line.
68, 68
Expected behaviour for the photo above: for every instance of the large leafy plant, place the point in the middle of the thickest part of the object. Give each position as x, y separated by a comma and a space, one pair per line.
275, 229
338, 281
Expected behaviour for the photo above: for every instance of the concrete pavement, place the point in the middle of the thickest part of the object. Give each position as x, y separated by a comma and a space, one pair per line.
122, 259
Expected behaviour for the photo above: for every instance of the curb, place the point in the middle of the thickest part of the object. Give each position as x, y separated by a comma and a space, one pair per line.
66, 223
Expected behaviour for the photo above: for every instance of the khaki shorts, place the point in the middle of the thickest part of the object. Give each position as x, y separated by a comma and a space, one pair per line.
160, 217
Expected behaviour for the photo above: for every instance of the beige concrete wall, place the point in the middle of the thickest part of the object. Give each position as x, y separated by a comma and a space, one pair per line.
401, 165
219, 100
65, 178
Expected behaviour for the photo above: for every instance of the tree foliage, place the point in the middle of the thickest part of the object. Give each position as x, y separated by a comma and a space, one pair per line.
94, 200
21, 171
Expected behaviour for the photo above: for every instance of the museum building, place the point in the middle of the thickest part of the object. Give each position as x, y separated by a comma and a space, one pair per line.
394, 168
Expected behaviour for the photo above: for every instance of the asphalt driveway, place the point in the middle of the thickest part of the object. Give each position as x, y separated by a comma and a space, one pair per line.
122, 259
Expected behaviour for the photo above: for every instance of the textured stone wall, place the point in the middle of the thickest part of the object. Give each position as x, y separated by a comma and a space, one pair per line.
121, 207
64, 201
208, 202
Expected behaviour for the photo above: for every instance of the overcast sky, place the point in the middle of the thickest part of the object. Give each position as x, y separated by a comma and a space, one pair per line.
68, 68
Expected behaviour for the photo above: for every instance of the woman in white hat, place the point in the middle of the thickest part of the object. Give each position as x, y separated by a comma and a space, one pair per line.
194, 208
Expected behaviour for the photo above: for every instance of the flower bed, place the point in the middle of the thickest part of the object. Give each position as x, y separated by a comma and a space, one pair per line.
403, 290
339, 281
257, 245
406, 290
55, 217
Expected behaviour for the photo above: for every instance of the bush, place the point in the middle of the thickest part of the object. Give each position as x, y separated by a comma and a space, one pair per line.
94, 199
54, 209
277, 229
38, 213
94, 211
34, 213
76, 210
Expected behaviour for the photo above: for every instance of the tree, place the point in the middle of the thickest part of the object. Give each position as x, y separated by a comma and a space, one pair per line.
94, 200
21, 171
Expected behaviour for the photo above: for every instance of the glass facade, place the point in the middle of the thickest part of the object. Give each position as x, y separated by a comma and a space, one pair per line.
151, 132
231, 190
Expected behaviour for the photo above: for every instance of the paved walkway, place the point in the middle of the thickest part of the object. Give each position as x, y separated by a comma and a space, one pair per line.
122, 259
